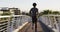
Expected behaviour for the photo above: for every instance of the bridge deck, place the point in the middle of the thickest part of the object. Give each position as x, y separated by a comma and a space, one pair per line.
28, 28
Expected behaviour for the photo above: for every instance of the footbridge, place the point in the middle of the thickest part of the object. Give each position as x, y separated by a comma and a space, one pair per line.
22, 23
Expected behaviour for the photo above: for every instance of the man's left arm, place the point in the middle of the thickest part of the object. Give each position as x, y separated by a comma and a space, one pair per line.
37, 13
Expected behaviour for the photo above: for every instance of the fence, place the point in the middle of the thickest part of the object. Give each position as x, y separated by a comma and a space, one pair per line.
52, 21
11, 23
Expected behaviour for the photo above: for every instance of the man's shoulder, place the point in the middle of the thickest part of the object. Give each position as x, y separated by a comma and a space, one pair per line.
34, 8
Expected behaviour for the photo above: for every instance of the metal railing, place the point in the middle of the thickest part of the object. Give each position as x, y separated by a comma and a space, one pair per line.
52, 21
11, 23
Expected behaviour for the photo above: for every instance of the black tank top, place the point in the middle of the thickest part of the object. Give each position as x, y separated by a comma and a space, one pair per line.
33, 11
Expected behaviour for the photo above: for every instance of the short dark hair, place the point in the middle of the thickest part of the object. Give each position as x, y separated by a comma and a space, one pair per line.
34, 4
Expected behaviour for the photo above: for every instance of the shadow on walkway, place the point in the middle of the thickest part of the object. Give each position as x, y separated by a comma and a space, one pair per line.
27, 29
45, 28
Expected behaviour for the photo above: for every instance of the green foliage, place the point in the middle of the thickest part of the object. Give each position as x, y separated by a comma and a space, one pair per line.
55, 12
45, 12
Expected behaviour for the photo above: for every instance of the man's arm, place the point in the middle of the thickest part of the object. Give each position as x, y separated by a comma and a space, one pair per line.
30, 13
37, 13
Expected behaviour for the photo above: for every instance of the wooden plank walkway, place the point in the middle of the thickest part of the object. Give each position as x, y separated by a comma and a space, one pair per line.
28, 28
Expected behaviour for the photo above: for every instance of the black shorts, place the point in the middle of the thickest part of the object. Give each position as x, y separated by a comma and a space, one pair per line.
34, 19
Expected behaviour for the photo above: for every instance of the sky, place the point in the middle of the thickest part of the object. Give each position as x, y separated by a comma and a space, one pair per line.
26, 5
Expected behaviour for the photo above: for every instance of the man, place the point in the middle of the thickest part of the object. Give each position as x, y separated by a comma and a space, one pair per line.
33, 13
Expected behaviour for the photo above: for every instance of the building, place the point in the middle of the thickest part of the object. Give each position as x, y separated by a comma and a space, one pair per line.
14, 11
5, 11
9, 11
1, 12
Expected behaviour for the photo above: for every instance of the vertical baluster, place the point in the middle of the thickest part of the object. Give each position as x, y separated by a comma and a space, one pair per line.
57, 23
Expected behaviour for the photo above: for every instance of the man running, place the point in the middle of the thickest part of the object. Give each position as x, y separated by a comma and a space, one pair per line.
33, 13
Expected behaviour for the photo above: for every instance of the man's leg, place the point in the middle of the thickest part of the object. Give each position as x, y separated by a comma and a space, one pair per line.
32, 22
32, 25
35, 24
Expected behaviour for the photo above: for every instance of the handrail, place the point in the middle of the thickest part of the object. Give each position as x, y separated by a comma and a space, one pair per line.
13, 22
50, 15
52, 21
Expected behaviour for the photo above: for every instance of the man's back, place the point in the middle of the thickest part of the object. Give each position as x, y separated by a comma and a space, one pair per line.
33, 11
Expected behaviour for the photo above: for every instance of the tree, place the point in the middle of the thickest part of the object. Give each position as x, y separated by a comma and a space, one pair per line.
47, 12
55, 12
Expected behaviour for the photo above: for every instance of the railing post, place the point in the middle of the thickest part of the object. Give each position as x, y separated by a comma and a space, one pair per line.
12, 23
20, 20
9, 28
49, 20
57, 23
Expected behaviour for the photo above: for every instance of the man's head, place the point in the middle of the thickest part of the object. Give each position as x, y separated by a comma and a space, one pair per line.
34, 4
